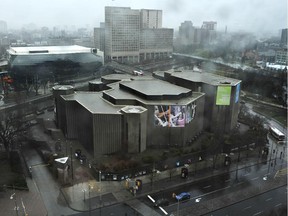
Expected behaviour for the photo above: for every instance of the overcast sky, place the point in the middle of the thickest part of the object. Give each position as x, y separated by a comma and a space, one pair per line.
268, 16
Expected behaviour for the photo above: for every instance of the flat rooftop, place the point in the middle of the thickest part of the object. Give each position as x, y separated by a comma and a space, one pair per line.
48, 50
203, 77
93, 102
122, 95
155, 87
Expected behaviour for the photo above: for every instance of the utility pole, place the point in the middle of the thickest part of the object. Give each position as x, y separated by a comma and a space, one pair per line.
71, 158
100, 176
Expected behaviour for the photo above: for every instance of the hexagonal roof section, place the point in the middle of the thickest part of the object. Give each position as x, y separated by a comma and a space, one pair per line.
133, 109
153, 89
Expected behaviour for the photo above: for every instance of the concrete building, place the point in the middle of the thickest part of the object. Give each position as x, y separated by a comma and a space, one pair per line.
3, 27
209, 25
156, 43
134, 35
221, 97
186, 33
281, 57
150, 19
122, 34
190, 35
135, 113
99, 37
284, 37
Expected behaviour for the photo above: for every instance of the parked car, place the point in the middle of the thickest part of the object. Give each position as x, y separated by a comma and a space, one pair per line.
161, 202
183, 196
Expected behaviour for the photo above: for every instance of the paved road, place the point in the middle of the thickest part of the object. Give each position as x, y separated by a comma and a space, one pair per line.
46, 184
264, 204
228, 183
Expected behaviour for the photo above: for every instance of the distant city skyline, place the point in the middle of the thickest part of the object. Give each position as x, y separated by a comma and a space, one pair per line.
264, 17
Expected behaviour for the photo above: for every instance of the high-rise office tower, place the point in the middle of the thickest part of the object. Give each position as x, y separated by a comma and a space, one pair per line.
135, 35
151, 19
122, 33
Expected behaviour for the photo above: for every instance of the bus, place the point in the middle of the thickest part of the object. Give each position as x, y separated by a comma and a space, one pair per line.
277, 133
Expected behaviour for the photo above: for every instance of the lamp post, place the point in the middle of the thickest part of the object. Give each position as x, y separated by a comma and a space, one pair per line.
13, 197
100, 192
71, 157
178, 206
89, 188
83, 190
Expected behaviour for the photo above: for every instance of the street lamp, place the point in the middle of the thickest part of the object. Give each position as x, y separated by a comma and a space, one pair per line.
100, 176
89, 188
178, 206
13, 197
83, 190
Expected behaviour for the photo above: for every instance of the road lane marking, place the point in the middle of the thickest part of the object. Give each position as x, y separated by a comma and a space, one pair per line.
246, 174
257, 213
254, 178
240, 183
208, 186
278, 204
228, 180
247, 208
151, 198
268, 199
211, 192
163, 210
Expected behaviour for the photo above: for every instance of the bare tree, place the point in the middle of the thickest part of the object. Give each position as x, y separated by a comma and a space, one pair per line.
12, 127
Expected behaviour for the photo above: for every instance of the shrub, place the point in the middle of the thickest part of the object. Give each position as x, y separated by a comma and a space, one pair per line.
148, 159
15, 162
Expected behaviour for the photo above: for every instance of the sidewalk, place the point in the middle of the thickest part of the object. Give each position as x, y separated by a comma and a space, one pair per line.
112, 192
88, 194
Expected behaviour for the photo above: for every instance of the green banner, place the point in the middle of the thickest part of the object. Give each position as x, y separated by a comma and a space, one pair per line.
223, 95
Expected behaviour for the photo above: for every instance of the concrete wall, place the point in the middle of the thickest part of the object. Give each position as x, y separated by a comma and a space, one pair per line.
135, 125
175, 136
107, 133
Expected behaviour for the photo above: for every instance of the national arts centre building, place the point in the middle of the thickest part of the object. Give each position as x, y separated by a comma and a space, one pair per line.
132, 113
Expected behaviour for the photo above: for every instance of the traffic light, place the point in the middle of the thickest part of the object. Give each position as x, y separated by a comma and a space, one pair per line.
227, 161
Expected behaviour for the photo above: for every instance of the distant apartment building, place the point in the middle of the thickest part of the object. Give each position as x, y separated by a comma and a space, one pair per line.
191, 35
209, 25
133, 35
186, 33
281, 57
284, 37
3, 27
99, 37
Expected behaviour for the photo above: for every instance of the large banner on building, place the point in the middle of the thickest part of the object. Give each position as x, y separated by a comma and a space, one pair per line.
223, 95
169, 116
237, 93
190, 112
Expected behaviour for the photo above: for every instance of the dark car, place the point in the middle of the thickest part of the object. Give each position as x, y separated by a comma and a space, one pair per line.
183, 196
161, 202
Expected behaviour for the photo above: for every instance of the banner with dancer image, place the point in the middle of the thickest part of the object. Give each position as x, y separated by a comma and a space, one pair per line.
170, 116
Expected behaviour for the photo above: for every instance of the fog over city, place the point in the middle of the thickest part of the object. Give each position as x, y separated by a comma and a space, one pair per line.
264, 17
